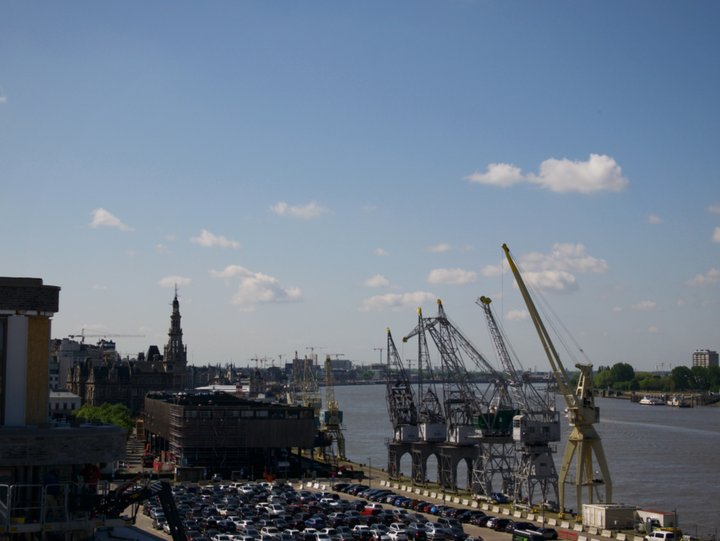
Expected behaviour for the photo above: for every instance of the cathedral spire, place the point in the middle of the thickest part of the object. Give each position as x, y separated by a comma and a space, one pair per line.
175, 357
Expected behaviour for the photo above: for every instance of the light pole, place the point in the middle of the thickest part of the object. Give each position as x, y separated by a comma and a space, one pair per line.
369, 472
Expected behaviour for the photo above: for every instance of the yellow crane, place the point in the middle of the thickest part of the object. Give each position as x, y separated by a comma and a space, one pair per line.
333, 415
584, 442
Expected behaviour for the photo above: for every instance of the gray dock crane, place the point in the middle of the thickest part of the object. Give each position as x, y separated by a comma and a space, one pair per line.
400, 397
536, 425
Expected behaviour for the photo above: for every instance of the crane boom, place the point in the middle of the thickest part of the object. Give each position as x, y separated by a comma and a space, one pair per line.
555, 363
584, 441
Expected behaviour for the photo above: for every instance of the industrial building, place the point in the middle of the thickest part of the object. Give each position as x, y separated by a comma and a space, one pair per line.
224, 433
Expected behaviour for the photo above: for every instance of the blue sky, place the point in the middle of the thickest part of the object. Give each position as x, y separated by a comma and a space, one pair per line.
309, 173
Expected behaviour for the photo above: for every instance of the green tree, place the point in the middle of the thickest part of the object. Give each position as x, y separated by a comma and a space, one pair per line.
115, 414
682, 379
622, 372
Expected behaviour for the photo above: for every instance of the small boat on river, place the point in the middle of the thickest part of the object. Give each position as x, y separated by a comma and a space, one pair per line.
652, 401
679, 402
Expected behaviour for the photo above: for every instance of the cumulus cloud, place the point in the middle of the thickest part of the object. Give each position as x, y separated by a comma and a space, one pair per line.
396, 301
209, 240
257, 288
307, 212
3, 99
599, 173
439, 248
517, 315
492, 271
377, 281
714, 209
710, 277
716, 235
554, 271
654, 219
558, 281
565, 257
645, 306
172, 281
451, 276
498, 174
381, 252
104, 218
161, 249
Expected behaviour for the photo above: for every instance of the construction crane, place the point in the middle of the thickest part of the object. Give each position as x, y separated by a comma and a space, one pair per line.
82, 335
584, 442
332, 416
534, 428
400, 397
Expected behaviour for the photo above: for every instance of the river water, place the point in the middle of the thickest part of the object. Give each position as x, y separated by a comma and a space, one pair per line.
660, 457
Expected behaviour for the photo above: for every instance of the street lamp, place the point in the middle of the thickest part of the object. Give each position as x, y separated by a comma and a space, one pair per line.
369, 472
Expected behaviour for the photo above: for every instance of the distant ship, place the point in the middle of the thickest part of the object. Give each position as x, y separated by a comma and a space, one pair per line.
652, 401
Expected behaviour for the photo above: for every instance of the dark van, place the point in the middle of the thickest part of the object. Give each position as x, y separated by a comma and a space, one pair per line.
526, 535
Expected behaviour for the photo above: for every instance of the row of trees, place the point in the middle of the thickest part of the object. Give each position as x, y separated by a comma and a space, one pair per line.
622, 377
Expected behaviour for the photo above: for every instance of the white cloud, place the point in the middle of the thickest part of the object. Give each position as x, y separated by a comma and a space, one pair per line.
564, 257
439, 248
554, 271
645, 306
104, 218
172, 281
598, 173
517, 315
396, 301
498, 174
451, 276
617, 309
680, 302
209, 240
710, 277
161, 249
492, 271
381, 252
716, 235
3, 99
558, 281
377, 281
99, 287
307, 212
257, 288
714, 209
652, 329
654, 219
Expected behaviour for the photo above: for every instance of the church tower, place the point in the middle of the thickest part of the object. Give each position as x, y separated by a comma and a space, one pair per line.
175, 356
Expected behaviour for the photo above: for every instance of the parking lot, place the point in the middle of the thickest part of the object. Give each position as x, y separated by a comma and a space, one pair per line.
263, 511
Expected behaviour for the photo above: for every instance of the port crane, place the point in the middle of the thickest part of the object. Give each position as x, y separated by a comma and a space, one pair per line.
431, 418
535, 426
584, 442
475, 416
332, 416
400, 397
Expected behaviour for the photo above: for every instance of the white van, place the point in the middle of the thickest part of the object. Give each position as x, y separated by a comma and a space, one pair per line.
661, 535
